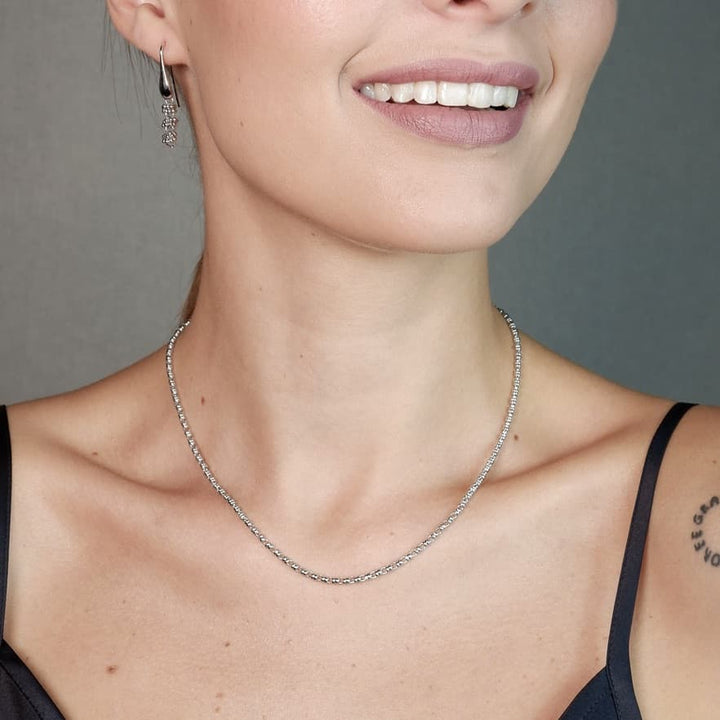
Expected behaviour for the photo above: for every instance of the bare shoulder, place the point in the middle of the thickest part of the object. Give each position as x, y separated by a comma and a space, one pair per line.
88, 428
685, 532
75, 457
92, 470
678, 626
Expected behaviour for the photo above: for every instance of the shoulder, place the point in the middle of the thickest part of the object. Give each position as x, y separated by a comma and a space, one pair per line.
92, 471
678, 624
685, 528
676, 628
96, 425
77, 455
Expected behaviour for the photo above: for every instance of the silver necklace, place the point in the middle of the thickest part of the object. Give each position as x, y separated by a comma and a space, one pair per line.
413, 552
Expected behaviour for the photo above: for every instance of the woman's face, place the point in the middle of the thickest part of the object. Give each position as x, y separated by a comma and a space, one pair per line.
276, 93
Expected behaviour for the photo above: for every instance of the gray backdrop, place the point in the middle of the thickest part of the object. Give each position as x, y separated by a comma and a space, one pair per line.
615, 266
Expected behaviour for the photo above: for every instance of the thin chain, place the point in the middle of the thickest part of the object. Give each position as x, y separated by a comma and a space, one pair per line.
413, 552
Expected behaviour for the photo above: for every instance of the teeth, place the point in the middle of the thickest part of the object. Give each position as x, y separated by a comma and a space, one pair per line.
428, 92
402, 93
369, 90
480, 95
452, 94
499, 95
425, 93
382, 92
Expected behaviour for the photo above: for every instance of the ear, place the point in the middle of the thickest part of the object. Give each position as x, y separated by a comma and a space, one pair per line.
148, 24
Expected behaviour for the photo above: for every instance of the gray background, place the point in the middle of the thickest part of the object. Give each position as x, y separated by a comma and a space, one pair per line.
615, 266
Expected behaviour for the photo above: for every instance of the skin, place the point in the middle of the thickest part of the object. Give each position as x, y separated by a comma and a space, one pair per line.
345, 374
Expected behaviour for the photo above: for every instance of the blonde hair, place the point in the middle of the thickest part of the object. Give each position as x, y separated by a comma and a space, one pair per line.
191, 299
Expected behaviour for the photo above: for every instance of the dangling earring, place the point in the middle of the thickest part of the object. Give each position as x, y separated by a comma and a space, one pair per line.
170, 105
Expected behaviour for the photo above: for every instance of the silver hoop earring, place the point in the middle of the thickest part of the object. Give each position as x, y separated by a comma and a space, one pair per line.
170, 105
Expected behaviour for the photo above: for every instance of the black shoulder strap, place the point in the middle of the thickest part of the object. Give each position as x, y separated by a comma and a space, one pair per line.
618, 657
5, 487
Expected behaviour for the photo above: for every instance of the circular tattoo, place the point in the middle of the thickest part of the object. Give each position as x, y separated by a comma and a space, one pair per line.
709, 555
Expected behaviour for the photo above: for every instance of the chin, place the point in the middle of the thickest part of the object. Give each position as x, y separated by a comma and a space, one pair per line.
443, 217
437, 233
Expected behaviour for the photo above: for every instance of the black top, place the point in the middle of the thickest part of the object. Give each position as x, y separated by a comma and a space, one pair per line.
607, 696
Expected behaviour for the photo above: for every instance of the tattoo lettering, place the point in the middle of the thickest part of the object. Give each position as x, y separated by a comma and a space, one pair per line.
708, 555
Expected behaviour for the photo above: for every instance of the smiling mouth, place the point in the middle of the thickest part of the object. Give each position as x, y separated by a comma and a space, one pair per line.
469, 96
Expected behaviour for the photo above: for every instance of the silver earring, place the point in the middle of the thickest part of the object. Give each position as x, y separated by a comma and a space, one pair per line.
170, 105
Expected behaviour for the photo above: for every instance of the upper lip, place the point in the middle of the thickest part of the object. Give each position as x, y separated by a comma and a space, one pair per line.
523, 77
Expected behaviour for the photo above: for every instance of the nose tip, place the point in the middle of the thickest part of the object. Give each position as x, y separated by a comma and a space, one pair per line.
491, 11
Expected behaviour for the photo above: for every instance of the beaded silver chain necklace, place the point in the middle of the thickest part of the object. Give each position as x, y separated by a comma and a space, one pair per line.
413, 552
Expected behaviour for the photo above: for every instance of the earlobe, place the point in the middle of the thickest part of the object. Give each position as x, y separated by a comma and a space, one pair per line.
148, 24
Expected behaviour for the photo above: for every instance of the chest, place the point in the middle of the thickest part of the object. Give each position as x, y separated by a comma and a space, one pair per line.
459, 639
506, 618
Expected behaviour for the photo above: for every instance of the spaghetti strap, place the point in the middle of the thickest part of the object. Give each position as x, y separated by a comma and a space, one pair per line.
5, 487
618, 655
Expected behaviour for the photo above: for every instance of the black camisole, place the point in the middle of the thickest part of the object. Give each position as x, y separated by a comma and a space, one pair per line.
607, 696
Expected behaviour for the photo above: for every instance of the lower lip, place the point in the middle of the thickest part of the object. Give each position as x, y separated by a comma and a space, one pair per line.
455, 125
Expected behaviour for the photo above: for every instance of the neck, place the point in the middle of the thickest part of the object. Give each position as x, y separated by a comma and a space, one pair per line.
316, 359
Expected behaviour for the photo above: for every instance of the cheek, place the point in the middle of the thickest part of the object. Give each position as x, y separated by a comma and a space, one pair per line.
266, 79
580, 32
578, 35
281, 116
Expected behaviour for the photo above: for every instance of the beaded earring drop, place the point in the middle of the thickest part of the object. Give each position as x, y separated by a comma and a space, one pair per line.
170, 105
